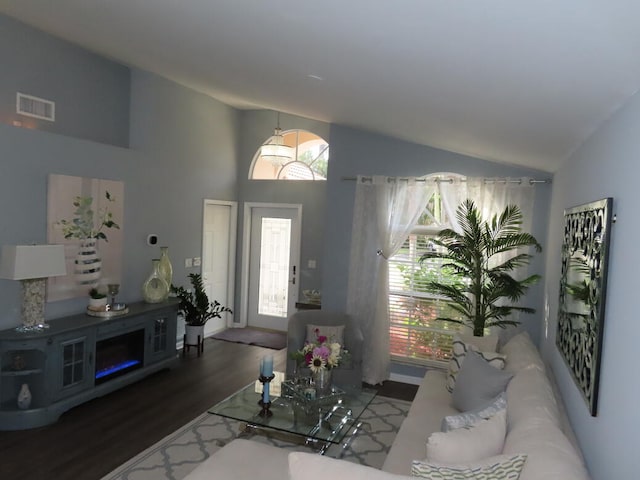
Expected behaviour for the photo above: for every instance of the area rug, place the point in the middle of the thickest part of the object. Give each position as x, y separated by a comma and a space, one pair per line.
252, 336
173, 457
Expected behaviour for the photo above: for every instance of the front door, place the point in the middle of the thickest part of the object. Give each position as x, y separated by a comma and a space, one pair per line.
274, 254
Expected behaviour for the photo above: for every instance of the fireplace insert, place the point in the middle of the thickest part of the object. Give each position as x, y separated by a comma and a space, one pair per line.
119, 355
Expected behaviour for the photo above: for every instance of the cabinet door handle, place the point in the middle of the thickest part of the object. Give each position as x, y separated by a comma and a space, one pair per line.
90, 358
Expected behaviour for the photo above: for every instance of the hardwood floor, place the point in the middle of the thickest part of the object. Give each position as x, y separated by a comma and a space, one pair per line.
94, 438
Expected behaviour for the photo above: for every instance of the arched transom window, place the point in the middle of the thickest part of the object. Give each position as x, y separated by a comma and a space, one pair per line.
308, 161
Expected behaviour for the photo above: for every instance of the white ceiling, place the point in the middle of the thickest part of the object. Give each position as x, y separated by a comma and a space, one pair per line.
518, 81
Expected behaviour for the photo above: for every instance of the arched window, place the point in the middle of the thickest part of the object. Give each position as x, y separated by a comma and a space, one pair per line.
310, 157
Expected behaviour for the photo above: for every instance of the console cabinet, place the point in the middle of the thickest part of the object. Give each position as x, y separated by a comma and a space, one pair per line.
81, 357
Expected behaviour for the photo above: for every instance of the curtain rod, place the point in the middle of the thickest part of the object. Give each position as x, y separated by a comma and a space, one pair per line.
519, 181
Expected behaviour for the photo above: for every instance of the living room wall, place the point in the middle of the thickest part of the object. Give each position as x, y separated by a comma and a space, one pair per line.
354, 152
183, 150
605, 166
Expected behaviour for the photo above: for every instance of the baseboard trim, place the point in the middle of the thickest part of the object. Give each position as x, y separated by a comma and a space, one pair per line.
396, 377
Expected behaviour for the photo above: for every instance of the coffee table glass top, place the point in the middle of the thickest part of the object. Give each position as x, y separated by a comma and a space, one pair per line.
329, 420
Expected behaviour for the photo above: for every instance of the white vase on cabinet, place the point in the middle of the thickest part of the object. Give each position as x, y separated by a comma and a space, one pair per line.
24, 397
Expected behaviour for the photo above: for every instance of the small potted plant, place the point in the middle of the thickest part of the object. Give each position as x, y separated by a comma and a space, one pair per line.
97, 299
196, 308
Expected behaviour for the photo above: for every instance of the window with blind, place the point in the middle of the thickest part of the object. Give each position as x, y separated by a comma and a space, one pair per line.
415, 334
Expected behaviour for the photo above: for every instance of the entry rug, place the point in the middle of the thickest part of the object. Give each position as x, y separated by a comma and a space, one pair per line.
253, 336
173, 457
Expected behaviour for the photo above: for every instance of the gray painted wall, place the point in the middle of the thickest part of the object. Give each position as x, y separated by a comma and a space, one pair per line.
91, 93
183, 151
256, 126
605, 166
354, 152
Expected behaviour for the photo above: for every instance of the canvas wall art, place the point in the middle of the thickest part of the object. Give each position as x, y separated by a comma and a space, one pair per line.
85, 215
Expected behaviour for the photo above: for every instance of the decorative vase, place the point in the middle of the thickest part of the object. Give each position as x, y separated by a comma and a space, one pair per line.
24, 397
88, 265
97, 303
165, 267
322, 381
155, 288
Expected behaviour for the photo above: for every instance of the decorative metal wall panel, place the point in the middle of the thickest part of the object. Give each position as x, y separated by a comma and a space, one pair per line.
583, 282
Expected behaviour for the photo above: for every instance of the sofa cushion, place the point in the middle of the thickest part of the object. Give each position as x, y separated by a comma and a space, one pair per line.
530, 397
477, 383
521, 353
463, 344
482, 440
431, 403
500, 467
311, 466
483, 412
230, 462
550, 455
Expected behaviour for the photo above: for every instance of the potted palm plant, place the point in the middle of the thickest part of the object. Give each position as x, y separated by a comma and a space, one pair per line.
196, 308
487, 292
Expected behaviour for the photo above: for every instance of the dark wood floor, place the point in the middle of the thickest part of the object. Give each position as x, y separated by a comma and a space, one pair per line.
94, 438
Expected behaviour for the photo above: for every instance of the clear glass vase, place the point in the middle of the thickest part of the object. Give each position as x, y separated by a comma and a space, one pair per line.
155, 288
322, 382
165, 267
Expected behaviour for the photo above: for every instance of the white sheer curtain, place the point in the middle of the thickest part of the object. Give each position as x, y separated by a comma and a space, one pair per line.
385, 211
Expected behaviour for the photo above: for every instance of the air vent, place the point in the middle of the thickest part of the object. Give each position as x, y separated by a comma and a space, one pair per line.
35, 107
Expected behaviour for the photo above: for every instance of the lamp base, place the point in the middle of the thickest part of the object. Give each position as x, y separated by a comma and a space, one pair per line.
33, 291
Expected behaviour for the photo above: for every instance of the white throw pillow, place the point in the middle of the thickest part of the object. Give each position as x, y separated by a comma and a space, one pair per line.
500, 467
459, 351
482, 440
472, 417
334, 333
311, 466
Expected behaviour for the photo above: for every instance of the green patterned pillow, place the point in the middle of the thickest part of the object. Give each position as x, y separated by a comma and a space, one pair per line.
459, 352
500, 467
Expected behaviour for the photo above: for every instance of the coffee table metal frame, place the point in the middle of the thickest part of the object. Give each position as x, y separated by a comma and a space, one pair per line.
336, 423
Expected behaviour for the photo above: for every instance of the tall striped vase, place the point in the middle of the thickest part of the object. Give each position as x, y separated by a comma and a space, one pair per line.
88, 265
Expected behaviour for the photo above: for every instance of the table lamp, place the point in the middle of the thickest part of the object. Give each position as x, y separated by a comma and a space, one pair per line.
32, 265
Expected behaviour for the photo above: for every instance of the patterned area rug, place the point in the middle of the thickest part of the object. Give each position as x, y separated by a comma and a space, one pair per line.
176, 455
251, 336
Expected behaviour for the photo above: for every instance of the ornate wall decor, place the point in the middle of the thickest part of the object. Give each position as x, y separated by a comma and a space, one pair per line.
583, 283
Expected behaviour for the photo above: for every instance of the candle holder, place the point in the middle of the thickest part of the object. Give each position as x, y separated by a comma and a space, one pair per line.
266, 405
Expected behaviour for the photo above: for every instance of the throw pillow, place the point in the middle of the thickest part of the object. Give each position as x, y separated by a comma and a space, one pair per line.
334, 333
458, 354
311, 466
467, 419
477, 383
485, 439
500, 467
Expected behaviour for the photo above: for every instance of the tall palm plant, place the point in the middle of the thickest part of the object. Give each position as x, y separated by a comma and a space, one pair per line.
472, 256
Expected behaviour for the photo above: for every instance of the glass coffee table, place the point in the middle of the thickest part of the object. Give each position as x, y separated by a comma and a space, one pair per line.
328, 420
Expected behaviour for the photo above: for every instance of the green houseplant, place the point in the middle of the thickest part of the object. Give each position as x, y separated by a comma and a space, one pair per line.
488, 292
195, 305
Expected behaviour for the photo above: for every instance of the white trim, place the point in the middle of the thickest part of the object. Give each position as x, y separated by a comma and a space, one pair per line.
396, 377
233, 235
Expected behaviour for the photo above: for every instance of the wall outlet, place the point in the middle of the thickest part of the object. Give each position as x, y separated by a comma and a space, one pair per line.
188, 262
311, 264
197, 261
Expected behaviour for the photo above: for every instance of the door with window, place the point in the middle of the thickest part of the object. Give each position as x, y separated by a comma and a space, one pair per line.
274, 253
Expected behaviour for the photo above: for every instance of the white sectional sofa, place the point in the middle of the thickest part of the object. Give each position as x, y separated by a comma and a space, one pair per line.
534, 425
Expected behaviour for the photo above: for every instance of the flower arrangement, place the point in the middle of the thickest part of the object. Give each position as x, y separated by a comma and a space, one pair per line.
87, 222
320, 354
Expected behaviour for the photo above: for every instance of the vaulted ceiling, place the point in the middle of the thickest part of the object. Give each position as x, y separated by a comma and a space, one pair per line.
517, 81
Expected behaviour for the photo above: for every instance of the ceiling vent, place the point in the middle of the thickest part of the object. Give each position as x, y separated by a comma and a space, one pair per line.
35, 107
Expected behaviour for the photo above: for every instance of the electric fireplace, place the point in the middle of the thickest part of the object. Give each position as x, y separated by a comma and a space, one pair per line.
116, 356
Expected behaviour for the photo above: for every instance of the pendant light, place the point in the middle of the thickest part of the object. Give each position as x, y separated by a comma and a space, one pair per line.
275, 150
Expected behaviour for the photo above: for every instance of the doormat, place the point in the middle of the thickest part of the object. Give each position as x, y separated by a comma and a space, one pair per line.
175, 456
252, 336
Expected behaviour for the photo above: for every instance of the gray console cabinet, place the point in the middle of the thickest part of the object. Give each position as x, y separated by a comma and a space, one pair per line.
81, 357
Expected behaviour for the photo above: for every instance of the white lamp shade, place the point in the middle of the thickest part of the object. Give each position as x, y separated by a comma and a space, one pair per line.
23, 262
